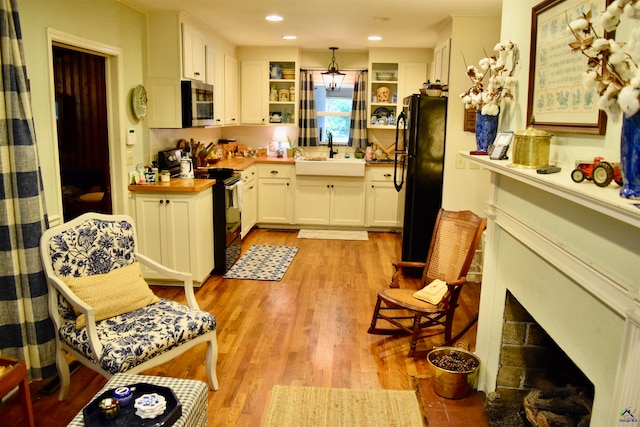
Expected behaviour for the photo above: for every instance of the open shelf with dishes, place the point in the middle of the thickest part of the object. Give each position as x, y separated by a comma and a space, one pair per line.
383, 93
282, 92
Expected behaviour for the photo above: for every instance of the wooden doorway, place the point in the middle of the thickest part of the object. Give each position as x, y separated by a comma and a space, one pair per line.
82, 128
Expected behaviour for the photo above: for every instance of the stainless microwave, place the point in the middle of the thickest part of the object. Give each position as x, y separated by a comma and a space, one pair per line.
197, 104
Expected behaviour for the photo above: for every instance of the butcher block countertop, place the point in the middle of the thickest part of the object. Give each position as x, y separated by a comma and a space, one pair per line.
176, 185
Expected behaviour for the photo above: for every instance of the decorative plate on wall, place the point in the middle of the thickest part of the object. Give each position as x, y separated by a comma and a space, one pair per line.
139, 102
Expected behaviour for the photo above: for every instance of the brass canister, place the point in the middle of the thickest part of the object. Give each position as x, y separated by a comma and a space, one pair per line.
531, 148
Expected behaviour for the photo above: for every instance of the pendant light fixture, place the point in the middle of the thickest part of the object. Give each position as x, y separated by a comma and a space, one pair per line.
333, 78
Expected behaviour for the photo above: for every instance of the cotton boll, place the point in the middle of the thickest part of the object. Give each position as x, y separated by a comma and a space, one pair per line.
579, 24
600, 44
608, 21
633, 45
615, 9
632, 11
590, 79
490, 110
628, 100
484, 64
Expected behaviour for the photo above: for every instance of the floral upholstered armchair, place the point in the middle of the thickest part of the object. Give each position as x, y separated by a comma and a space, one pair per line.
104, 312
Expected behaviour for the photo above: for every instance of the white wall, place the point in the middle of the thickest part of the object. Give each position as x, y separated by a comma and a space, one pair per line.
101, 21
471, 37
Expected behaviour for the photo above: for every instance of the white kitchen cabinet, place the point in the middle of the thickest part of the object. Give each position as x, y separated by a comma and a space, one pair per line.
222, 71
441, 58
249, 211
177, 231
193, 53
275, 194
177, 50
330, 201
384, 203
230, 91
255, 92
269, 77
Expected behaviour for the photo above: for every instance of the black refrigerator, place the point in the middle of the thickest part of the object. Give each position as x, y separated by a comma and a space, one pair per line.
419, 165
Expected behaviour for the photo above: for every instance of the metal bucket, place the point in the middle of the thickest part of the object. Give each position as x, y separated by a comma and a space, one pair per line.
453, 384
531, 148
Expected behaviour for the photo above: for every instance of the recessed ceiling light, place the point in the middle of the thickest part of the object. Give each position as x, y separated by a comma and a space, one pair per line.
289, 37
374, 38
274, 18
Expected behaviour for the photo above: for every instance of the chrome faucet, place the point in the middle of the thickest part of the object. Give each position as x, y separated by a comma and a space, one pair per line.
330, 143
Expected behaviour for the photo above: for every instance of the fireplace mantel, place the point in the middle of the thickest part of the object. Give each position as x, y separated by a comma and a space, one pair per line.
570, 254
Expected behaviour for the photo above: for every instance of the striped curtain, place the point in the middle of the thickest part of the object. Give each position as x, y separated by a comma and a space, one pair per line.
308, 124
26, 331
359, 119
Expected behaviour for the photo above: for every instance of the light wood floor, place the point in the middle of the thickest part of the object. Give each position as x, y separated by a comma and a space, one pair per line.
308, 329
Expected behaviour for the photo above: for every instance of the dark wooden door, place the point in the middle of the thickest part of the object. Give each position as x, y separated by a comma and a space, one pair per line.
81, 113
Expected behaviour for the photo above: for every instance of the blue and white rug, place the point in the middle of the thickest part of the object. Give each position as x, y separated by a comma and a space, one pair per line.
263, 262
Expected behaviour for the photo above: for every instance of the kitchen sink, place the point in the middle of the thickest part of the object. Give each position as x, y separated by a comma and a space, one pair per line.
330, 167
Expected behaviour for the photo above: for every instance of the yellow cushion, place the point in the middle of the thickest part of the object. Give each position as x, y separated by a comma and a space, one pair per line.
120, 291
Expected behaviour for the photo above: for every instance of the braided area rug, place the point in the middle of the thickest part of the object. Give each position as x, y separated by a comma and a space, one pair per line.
334, 407
263, 262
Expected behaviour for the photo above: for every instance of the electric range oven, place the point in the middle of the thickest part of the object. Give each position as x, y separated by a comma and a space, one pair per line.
226, 218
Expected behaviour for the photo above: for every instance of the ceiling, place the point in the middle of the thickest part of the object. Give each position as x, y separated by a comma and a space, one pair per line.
345, 24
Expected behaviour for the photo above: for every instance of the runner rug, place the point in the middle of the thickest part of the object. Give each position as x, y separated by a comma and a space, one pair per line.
333, 235
329, 407
263, 262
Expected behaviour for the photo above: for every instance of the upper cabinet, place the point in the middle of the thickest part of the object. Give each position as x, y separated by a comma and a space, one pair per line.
269, 85
193, 53
178, 50
441, 62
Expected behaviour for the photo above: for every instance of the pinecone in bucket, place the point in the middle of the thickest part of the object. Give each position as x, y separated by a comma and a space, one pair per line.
455, 362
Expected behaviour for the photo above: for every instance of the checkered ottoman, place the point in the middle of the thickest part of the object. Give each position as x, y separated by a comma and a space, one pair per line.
192, 394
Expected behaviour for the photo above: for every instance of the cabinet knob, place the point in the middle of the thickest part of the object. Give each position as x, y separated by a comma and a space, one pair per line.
287, 184
161, 201
327, 185
168, 201
196, 73
373, 186
331, 185
388, 175
274, 172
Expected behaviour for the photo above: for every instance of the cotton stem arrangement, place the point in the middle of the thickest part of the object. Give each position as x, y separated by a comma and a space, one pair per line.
501, 83
612, 68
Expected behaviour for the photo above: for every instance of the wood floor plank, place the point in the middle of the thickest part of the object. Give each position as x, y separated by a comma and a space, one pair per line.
309, 329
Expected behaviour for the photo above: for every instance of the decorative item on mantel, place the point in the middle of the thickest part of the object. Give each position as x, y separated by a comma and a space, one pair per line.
613, 72
487, 100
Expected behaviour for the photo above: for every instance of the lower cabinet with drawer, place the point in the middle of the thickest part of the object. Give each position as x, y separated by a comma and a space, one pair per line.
177, 231
275, 194
384, 203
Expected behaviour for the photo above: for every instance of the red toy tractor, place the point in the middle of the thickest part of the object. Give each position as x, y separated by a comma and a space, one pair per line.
601, 172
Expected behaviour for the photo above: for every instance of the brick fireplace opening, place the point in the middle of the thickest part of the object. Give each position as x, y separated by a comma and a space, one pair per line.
531, 362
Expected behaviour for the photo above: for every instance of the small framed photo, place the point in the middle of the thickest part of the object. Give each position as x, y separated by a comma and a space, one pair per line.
498, 150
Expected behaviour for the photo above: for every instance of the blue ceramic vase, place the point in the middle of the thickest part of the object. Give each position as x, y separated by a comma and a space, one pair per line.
630, 156
486, 130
